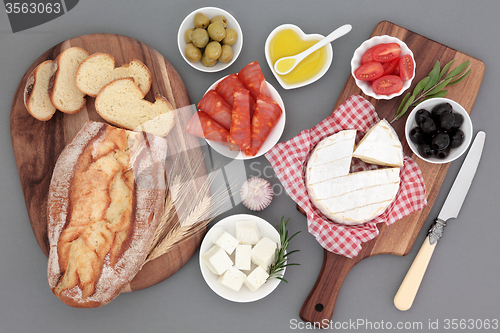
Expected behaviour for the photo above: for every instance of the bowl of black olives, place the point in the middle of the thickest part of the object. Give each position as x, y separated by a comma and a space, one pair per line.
438, 130
210, 39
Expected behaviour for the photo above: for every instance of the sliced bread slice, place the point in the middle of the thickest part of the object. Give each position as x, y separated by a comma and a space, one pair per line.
121, 103
99, 69
63, 91
36, 91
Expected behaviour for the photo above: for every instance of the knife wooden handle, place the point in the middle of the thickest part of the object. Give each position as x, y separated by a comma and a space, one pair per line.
409, 287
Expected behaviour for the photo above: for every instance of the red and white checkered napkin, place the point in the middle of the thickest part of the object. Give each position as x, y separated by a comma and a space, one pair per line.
289, 159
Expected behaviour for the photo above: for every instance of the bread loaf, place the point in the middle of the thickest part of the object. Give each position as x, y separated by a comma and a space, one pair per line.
36, 91
121, 103
105, 200
64, 93
99, 69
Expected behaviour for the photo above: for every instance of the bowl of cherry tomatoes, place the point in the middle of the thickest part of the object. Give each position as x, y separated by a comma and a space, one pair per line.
383, 67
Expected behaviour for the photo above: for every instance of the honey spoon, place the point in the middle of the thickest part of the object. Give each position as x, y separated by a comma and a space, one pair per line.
286, 64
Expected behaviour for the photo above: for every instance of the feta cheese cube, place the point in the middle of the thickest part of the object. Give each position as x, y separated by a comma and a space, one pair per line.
227, 242
263, 252
233, 278
217, 260
256, 279
242, 258
216, 232
247, 232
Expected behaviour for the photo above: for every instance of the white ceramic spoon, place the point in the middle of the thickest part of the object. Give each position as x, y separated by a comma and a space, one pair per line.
286, 64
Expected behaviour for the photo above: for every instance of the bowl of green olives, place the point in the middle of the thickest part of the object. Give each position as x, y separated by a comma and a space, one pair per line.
438, 130
210, 39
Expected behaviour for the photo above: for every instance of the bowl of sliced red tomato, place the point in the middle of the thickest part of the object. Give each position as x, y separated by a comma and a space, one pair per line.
383, 67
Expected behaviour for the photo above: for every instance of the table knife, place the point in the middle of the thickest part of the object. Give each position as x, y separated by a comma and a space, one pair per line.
451, 207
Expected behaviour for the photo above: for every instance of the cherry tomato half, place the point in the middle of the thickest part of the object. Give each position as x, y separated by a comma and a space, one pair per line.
390, 67
386, 52
369, 71
406, 66
387, 84
396, 70
367, 56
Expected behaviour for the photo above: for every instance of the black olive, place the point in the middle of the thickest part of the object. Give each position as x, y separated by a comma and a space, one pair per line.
441, 154
446, 121
417, 135
420, 114
426, 150
439, 109
428, 126
459, 120
456, 139
440, 141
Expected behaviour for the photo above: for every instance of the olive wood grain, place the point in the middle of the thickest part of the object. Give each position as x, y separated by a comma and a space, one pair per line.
37, 144
398, 238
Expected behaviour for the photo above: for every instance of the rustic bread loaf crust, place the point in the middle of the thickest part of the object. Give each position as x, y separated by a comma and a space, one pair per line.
64, 93
105, 200
36, 91
99, 69
121, 103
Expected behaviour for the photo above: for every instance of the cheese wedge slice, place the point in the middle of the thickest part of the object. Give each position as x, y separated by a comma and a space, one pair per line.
380, 146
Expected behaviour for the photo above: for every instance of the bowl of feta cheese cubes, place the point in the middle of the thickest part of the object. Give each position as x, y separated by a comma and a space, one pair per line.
235, 256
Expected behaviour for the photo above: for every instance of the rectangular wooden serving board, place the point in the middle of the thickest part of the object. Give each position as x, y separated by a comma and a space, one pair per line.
398, 238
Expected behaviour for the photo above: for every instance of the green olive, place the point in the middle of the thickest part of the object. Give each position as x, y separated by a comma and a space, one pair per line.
200, 37
221, 19
207, 62
213, 50
188, 35
192, 53
231, 37
226, 54
216, 31
201, 20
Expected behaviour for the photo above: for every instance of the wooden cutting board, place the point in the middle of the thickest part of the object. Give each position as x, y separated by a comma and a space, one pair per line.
37, 144
399, 237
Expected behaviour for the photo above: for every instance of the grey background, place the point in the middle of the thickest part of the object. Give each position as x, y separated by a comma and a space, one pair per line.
462, 279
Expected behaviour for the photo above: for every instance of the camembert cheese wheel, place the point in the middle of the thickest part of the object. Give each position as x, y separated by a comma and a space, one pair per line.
352, 198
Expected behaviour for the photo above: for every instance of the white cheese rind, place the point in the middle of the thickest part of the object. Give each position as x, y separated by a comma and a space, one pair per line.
227, 242
217, 260
380, 146
256, 279
232, 278
243, 258
331, 157
263, 252
358, 197
247, 232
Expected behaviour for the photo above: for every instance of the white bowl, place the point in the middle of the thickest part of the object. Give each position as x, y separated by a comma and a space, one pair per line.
244, 294
366, 86
329, 55
210, 12
271, 140
466, 128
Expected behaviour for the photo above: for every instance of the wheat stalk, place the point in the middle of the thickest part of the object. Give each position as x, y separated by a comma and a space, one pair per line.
195, 213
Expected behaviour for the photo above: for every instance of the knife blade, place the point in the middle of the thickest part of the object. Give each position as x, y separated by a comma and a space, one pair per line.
460, 187
408, 290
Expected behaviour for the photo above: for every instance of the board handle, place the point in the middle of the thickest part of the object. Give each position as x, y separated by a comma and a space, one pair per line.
319, 305
408, 290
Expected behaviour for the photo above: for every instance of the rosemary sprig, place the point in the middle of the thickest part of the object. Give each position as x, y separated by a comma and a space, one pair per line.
432, 85
281, 256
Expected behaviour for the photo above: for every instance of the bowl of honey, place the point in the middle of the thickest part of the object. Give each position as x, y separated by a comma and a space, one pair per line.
288, 40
